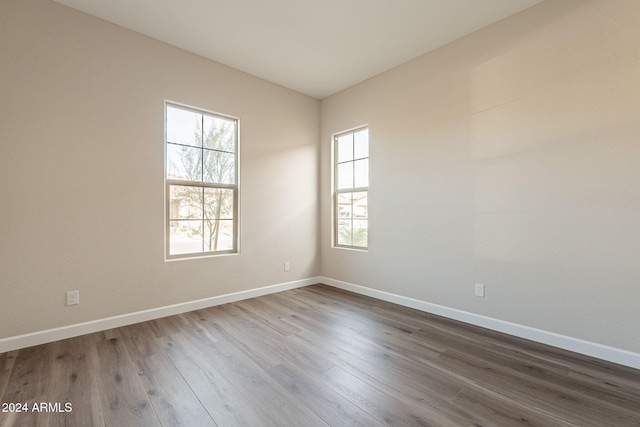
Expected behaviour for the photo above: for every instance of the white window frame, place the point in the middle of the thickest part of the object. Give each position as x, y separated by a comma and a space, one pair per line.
203, 185
353, 189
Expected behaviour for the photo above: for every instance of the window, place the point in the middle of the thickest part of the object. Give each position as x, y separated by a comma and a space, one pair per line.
201, 182
351, 189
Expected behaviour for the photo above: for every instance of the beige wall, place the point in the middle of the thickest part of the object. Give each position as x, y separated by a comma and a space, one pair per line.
509, 158
81, 167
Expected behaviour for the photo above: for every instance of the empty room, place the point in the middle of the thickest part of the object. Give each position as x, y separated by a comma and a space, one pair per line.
297, 213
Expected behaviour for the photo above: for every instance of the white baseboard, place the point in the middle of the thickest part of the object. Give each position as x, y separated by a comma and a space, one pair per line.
49, 335
611, 354
588, 348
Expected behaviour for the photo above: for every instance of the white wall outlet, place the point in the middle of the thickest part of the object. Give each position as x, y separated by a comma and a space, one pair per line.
480, 290
73, 297
287, 266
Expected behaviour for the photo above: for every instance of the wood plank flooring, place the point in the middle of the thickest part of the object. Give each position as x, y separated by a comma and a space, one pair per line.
314, 356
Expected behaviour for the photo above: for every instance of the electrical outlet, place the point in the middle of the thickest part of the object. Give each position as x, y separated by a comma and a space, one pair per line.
287, 266
73, 297
479, 290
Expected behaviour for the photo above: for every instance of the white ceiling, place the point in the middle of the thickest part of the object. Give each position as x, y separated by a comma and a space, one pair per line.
317, 47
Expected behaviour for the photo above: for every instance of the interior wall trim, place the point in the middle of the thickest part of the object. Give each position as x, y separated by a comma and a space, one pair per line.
599, 351
64, 332
587, 348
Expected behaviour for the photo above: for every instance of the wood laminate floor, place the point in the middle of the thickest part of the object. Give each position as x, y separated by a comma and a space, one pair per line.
314, 356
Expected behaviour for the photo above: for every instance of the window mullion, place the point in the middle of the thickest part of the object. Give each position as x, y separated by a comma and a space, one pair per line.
353, 190
353, 169
201, 184
202, 219
202, 149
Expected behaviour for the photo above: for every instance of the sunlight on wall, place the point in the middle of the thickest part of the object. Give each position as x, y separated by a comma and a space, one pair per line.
553, 135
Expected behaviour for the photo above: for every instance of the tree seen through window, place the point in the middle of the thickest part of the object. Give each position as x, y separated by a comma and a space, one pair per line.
201, 179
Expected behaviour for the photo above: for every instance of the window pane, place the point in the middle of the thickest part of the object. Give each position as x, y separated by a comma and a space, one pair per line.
360, 205
218, 235
219, 167
360, 231
184, 163
201, 148
345, 175
185, 237
184, 127
345, 148
219, 134
361, 147
351, 172
361, 172
185, 202
344, 232
344, 205
218, 203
